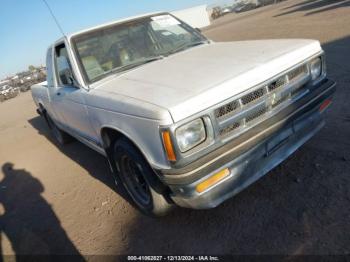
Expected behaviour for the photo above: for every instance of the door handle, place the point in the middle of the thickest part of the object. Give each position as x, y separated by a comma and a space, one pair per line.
58, 93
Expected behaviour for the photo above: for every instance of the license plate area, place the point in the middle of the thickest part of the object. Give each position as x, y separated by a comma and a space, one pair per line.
278, 141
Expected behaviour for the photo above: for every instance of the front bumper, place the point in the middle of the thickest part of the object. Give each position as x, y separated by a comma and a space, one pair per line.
253, 157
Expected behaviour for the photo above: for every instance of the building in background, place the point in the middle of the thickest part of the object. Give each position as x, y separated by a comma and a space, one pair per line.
197, 17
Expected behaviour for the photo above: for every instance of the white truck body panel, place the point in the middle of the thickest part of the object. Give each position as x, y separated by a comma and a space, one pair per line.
196, 79
139, 101
195, 109
197, 16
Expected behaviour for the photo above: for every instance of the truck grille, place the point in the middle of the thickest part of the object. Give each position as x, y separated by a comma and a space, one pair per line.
257, 105
256, 113
298, 72
229, 128
253, 96
227, 109
280, 82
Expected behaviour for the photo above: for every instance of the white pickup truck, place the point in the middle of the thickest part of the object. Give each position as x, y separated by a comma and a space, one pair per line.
180, 118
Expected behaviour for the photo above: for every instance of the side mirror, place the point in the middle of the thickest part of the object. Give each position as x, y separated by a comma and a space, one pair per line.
67, 77
64, 71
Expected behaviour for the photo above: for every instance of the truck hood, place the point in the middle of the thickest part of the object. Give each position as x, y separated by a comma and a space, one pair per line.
198, 78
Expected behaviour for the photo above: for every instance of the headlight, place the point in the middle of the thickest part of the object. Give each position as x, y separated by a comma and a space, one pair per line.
190, 135
316, 68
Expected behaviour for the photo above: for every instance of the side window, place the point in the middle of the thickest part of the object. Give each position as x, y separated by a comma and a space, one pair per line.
63, 67
49, 77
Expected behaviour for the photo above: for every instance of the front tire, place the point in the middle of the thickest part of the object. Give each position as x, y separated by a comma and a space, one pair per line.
133, 172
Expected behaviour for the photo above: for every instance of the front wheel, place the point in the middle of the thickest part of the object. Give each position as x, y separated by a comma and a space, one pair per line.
133, 172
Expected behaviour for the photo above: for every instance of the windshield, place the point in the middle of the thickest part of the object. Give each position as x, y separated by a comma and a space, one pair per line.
124, 46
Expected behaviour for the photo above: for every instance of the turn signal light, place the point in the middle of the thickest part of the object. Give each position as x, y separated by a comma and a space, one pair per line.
168, 145
211, 181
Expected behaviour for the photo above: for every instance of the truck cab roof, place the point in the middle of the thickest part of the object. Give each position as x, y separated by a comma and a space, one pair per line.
119, 21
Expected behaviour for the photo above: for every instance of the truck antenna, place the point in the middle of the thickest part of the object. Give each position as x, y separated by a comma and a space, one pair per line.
54, 18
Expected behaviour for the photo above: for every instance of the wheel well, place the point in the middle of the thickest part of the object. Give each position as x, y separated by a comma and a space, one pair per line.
42, 112
41, 107
109, 136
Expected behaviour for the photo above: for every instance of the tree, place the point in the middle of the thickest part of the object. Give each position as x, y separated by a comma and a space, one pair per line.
31, 68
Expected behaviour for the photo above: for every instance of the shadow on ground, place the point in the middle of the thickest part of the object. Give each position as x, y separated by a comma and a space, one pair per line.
315, 6
27, 220
94, 163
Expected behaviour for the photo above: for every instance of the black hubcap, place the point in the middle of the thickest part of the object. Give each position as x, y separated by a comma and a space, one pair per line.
135, 181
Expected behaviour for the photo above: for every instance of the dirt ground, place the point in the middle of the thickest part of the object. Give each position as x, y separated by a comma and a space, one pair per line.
63, 200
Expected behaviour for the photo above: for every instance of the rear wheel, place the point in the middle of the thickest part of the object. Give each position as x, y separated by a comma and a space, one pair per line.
134, 173
60, 136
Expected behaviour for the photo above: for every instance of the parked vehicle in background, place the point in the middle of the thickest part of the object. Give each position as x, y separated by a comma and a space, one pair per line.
226, 10
216, 13
237, 7
25, 87
24, 80
182, 119
4, 90
14, 91
7, 92
243, 7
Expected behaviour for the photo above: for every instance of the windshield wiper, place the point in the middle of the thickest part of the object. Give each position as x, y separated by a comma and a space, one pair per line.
186, 46
129, 66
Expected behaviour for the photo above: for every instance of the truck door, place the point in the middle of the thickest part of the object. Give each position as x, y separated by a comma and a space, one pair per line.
51, 89
68, 99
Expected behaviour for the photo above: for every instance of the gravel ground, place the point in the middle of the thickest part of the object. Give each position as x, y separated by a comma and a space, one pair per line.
63, 200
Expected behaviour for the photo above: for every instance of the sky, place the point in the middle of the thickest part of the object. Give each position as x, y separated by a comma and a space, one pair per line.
27, 28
